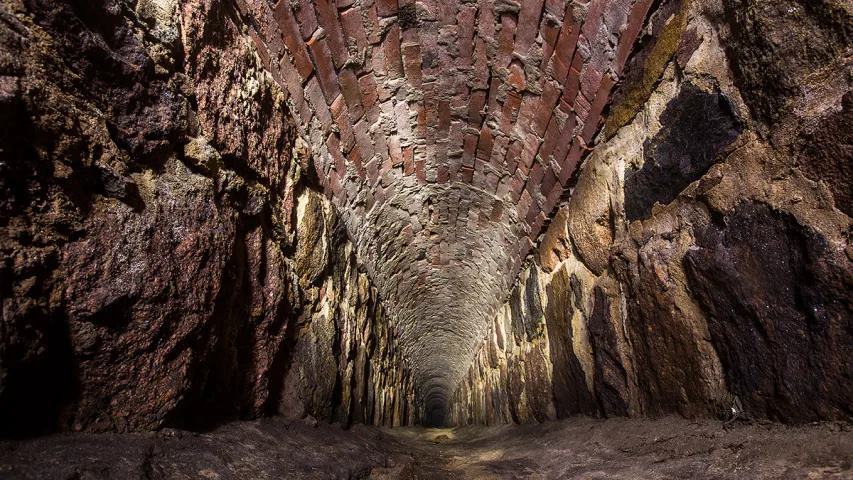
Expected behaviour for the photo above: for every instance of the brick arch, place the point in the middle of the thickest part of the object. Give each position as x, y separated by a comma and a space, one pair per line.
445, 132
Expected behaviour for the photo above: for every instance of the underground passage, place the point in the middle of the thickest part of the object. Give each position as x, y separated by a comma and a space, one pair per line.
424, 239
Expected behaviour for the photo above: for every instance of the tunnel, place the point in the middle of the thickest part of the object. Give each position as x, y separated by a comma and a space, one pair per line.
426, 238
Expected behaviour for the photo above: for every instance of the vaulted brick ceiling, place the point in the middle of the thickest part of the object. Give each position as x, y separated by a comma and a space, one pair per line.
445, 132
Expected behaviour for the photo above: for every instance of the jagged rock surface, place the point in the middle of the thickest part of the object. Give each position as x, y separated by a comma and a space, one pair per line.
162, 260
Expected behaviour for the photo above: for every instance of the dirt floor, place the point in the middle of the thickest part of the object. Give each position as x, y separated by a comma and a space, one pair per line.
579, 448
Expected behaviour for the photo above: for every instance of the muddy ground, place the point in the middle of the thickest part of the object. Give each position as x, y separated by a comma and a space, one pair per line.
578, 448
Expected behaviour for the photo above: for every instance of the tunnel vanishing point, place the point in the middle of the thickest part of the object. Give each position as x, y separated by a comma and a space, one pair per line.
435, 213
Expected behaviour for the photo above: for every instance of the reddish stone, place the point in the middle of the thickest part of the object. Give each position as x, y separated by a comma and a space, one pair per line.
467, 174
590, 81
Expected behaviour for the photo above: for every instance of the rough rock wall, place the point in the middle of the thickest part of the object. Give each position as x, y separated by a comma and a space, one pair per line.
163, 262
703, 265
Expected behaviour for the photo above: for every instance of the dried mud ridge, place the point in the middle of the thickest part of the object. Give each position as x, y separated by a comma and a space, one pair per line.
578, 448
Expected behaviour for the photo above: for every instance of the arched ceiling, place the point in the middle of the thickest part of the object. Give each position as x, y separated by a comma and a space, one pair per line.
445, 132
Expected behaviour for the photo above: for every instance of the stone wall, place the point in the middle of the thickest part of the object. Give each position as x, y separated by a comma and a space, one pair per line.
703, 265
163, 259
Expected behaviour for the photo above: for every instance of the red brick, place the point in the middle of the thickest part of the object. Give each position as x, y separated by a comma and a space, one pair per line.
408, 160
517, 80
564, 140
306, 18
342, 119
590, 81
420, 170
391, 49
292, 38
496, 160
481, 65
444, 115
353, 26
581, 108
549, 141
550, 34
354, 157
550, 95
570, 91
412, 64
443, 173
566, 43
352, 93
506, 40
369, 99
465, 34
395, 150
374, 31
467, 175
486, 20
372, 171
512, 154
528, 18
601, 99
362, 138
333, 144
469, 150
571, 163
325, 68
487, 141
314, 94
386, 8
509, 113
629, 35
475, 108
